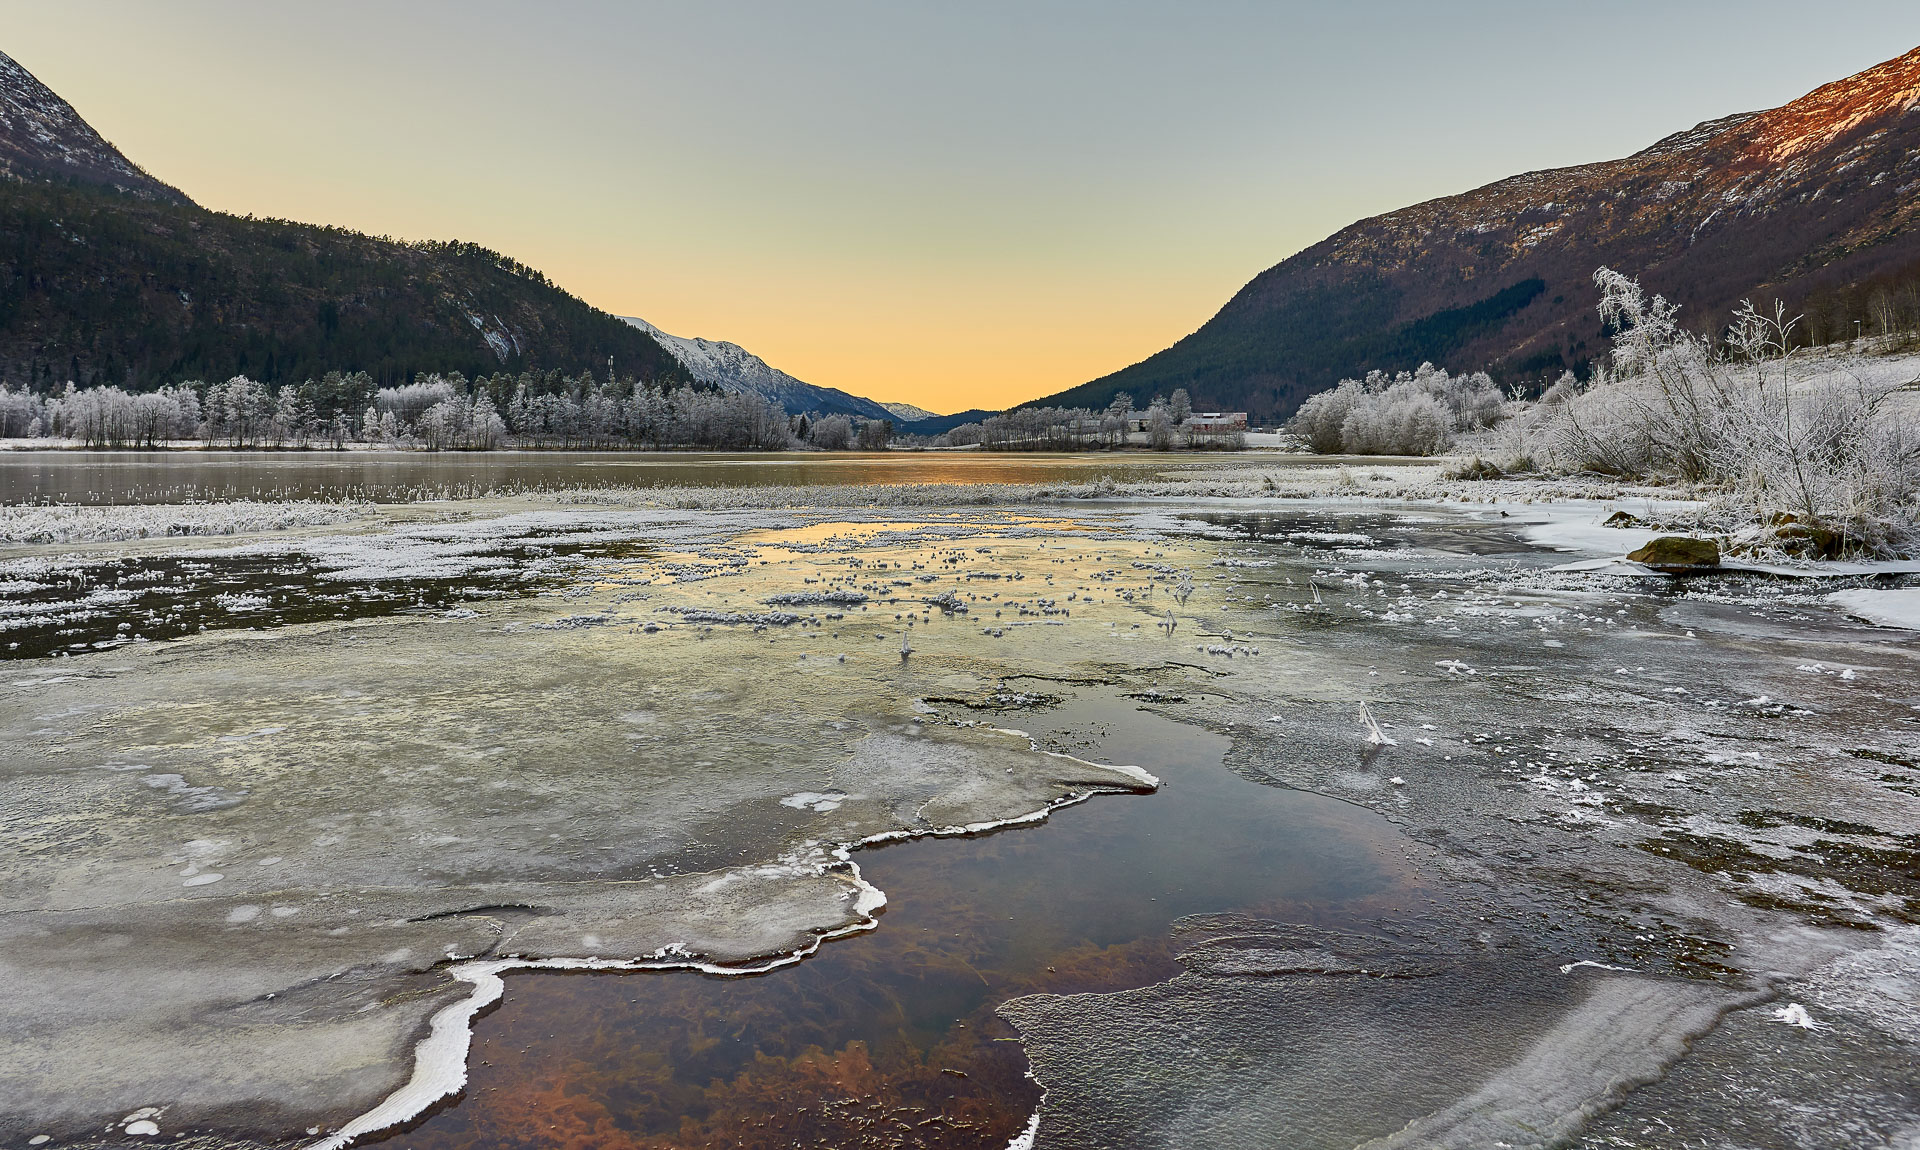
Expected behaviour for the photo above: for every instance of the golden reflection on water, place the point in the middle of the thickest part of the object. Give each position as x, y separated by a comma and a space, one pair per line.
385, 476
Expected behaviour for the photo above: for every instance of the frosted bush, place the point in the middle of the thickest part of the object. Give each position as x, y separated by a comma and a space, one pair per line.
462, 423
1742, 420
1411, 413
831, 433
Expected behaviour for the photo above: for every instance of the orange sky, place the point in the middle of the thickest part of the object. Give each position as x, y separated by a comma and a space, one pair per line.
952, 205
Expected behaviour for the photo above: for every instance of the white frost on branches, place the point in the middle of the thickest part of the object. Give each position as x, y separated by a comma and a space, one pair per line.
1739, 418
1411, 413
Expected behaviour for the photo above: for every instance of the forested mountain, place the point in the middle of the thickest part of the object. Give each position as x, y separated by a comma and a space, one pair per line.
1814, 202
108, 276
731, 367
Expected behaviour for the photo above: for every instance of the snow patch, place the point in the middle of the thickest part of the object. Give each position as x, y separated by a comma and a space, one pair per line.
1897, 608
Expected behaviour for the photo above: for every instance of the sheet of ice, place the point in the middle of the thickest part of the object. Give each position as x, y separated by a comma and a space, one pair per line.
1579, 525
1895, 608
440, 1059
1806, 569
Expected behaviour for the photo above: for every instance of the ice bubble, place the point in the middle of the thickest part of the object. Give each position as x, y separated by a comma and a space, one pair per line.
285, 911
240, 914
143, 1126
202, 879
270, 860
39, 1139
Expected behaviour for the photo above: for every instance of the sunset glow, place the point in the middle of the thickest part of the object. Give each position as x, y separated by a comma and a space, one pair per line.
956, 207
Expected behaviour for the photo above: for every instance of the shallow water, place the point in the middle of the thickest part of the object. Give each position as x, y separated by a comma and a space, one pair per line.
109, 477
86, 608
889, 1038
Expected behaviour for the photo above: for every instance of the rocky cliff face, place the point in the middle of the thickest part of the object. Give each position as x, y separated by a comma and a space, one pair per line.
42, 137
1804, 199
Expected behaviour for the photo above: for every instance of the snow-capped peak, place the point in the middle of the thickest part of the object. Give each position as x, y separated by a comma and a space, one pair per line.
733, 368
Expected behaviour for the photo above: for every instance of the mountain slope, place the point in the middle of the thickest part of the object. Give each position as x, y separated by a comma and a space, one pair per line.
110, 277
733, 368
910, 413
1799, 202
42, 137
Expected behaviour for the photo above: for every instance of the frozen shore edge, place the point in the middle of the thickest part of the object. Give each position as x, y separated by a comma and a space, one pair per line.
440, 1059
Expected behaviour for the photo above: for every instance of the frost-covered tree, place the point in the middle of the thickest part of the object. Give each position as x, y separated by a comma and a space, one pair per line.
1410, 413
20, 412
1160, 427
831, 433
292, 417
239, 411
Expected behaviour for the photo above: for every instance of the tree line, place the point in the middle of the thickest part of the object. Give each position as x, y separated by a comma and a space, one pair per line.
434, 412
1164, 425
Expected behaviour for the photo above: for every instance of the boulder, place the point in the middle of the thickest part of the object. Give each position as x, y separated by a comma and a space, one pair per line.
1678, 554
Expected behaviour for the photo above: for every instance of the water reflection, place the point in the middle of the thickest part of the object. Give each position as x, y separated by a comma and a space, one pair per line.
889, 1039
389, 476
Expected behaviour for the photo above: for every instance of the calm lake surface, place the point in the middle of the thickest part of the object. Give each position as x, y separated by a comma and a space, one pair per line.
106, 477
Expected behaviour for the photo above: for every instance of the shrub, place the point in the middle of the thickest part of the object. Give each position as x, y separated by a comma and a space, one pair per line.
1412, 413
1740, 417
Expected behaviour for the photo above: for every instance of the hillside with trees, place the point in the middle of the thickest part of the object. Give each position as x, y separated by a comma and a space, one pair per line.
1812, 203
110, 277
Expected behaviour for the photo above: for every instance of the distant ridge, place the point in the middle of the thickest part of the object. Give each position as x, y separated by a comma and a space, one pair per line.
733, 368
1806, 201
909, 413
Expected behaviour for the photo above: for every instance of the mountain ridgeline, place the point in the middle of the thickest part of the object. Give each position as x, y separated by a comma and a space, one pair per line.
108, 276
733, 368
1813, 203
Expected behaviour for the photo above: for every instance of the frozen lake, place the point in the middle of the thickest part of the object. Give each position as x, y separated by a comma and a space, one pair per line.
1451, 844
